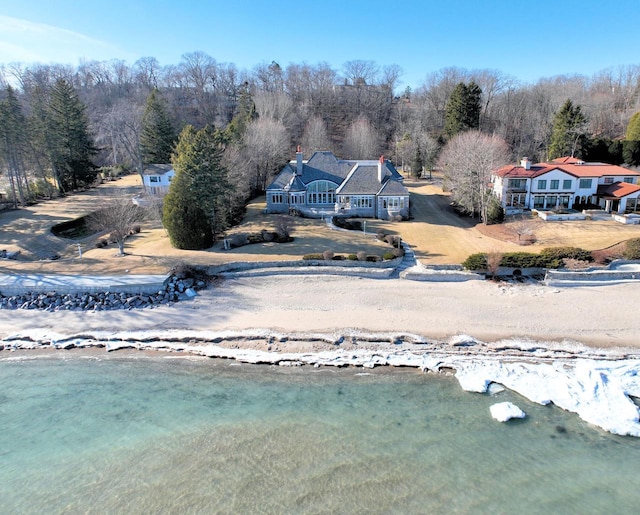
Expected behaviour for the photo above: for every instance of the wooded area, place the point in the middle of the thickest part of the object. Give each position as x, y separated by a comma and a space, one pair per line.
60, 124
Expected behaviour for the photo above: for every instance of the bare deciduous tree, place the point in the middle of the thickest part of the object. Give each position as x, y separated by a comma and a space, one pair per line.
118, 216
361, 141
494, 259
265, 149
467, 162
315, 136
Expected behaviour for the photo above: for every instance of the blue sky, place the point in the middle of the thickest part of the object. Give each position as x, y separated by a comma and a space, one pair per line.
525, 39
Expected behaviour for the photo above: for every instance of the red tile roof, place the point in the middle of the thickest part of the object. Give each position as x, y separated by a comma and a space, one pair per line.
569, 165
618, 189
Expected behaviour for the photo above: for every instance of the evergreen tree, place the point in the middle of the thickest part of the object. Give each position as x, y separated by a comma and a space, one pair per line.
244, 114
633, 129
462, 111
194, 207
569, 126
69, 142
631, 144
418, 164
13, 146
157, 136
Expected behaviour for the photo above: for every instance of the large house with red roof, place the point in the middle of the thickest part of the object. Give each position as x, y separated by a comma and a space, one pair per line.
324, 185
567, 183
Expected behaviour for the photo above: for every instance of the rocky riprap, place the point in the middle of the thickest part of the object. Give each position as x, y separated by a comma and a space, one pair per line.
176, 289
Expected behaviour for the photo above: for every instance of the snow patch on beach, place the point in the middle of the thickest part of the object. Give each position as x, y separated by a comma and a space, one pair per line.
597, 385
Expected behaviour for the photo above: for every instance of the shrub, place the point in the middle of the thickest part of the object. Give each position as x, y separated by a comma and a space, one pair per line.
558, 253
338, 258
632, 249
476, 261
352, 257
388, 256
373, 258
328, 255
528, 260
495, 212
283, 227
345, 223
255, 238
392, 239
312, 257
238, 240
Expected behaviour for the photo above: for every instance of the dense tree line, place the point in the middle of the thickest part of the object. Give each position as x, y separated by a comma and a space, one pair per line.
63, 123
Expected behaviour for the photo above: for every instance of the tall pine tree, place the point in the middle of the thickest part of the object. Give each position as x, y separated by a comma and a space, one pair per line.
462, 111
244, 114
158, 135
70, 145
194, 209
631, 143
569, 127
14, 143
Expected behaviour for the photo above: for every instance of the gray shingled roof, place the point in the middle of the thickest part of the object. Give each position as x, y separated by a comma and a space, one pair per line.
355, 177
394, 188
157, 169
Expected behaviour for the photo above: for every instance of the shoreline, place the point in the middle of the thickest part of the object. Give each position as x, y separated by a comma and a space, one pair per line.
576, 348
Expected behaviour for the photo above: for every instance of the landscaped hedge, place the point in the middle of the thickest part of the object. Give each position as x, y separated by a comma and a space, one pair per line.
345, 223
548, 258
632, 249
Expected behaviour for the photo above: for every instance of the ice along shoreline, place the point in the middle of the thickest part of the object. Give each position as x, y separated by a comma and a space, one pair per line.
599, 385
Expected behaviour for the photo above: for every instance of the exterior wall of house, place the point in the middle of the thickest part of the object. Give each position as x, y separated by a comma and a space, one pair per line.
158, 184
391, 206
277, 202
556, 189
356, 205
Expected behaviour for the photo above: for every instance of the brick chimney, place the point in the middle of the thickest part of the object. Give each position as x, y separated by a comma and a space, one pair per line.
381, 174
299, 156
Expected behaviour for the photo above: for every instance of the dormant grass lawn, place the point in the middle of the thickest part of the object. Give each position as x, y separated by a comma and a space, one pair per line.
436, 233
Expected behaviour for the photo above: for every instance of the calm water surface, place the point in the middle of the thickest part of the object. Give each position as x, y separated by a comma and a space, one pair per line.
132, 434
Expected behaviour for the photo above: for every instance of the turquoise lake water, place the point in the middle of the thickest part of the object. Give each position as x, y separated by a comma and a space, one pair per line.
96, 433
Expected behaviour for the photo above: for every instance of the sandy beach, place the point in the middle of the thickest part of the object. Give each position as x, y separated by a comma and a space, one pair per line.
598, 316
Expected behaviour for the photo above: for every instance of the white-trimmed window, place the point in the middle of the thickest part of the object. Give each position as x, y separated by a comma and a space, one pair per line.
630, 180
585, 184
608, 180
517, 184
555, 184
154, 178
321, 192
566, 184
542, 184
277, 198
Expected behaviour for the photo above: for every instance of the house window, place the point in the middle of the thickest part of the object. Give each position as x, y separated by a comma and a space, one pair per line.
629, 180
566, 184
542, 184
608, 180
552, 201
585, 183
277, 198
538, 201
555, 184
361, 202
154, 178
321, 192
517, 184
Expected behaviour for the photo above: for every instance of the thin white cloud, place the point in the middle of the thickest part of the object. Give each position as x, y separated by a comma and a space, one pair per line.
25, 41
